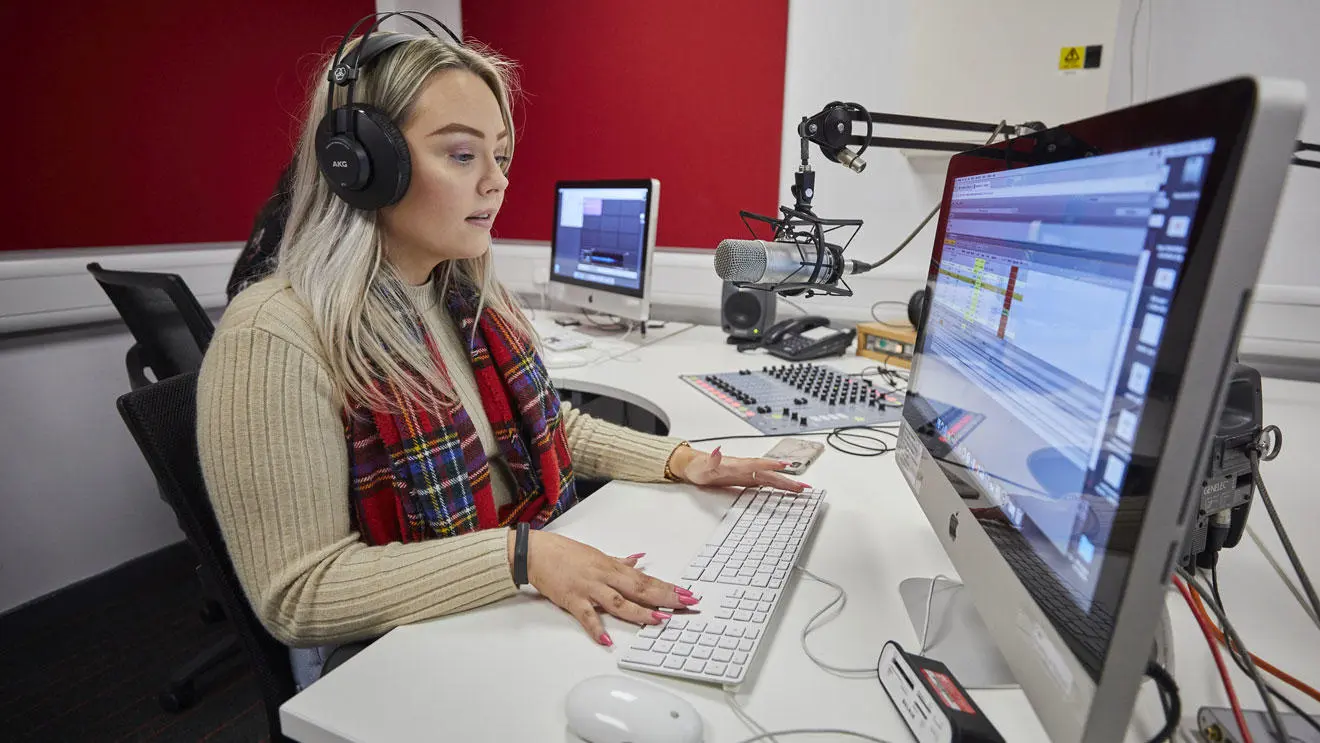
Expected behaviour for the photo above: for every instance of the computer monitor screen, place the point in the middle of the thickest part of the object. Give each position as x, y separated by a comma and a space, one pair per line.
1046, 317
1087, 288
601, 236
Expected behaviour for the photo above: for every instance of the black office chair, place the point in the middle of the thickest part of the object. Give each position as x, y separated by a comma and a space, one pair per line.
163, 420
171, 332
169, 326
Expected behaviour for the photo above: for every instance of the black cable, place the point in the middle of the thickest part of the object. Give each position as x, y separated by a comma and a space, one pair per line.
861, 438
1230, 634
1214, 583
1241, 662
1302, 577
1169, 700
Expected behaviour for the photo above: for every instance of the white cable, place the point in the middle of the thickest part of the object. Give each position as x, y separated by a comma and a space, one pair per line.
742, 714
930, 599
814, 731
1283, 575
794, 305
841, 600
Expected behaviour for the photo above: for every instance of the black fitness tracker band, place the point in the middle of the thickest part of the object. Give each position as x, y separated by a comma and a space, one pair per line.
520, 555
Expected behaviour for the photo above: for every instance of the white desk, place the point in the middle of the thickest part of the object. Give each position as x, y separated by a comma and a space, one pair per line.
501, 672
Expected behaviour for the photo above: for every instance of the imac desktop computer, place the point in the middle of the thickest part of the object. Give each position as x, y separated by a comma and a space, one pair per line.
1084, 301
604, 235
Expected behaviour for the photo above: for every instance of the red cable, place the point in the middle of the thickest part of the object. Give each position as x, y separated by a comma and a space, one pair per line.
1219, 660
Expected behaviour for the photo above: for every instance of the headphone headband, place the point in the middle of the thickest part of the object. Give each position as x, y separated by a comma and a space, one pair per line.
359, 149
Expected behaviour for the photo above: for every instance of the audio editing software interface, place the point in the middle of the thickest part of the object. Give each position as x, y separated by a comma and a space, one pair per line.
600, 236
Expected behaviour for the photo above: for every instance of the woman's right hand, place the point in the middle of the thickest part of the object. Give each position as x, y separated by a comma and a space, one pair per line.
582, 581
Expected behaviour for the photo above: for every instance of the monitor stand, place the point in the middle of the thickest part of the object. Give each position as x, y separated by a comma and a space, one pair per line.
957, 636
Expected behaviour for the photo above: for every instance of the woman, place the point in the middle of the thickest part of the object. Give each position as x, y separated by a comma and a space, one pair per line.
373, 418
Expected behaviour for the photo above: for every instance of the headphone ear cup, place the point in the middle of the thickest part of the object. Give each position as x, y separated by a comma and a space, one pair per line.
371, 170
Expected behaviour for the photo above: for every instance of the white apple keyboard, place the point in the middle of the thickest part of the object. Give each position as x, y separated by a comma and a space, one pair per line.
739, 576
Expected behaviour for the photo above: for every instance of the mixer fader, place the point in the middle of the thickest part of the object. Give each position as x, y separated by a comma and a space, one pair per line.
793, 398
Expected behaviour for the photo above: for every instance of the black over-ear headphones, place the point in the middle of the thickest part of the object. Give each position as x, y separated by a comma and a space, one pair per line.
359, 149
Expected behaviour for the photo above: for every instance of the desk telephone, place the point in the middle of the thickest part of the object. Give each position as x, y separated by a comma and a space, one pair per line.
809, 337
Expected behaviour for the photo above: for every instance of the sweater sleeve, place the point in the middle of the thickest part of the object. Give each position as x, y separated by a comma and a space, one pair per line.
604, 450
274, 456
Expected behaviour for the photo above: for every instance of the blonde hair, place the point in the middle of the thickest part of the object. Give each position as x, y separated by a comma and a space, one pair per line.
333, 254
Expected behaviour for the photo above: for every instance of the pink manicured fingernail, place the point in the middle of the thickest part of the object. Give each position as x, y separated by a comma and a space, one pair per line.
717, 450
687, 600
660, 616
605, 640
682, 591
637, 556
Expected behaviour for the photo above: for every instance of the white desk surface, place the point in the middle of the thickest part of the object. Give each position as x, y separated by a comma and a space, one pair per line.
501, 672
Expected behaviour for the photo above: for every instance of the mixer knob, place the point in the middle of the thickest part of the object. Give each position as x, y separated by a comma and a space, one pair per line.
785, 411
803, 421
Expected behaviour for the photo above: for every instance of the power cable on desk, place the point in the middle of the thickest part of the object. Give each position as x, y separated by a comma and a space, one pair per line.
1170, 702
1242, 661
886, 322
852, 436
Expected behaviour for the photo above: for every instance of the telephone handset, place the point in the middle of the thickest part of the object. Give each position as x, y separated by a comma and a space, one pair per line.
808, 337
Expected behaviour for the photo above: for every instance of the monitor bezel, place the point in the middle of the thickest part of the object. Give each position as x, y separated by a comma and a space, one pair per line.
652, 198
1254, 124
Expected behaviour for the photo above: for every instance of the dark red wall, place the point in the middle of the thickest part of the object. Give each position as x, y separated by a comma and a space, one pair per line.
152, 121
687, 91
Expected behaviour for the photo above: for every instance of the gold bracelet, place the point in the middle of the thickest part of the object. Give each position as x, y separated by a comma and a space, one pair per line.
669, 473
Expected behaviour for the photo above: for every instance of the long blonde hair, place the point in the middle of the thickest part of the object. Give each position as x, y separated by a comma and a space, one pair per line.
333, 254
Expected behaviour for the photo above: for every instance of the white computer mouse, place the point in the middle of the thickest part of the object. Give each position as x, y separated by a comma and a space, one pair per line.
621, 709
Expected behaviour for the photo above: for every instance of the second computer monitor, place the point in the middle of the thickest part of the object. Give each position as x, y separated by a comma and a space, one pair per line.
1085, 296
604, 236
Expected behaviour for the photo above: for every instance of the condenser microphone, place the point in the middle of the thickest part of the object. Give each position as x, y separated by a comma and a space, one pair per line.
761, 262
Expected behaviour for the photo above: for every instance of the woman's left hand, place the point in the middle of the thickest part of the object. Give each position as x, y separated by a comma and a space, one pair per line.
714, 469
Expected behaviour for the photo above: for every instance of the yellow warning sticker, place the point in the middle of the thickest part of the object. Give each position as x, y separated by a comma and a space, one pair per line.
1071, 57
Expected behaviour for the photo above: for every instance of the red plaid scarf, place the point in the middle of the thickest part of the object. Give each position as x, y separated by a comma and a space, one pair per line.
422, 474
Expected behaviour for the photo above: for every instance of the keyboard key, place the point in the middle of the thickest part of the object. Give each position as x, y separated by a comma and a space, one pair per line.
735, 630
677, 623
651, 631
682, 649
693, 573
701, 651
735, 581
723, 656
736, 593
670, 635
642, 643
761, 581
758, 617
694, 666
645, 658
740, 658
708, 574
746, 604
709, 640
753, 594
690, 637
729, 643
735, 670
724, 613
740, 615
661, 646
751, 633
716, 627
745, 645
776, 583
697, 625
730, 603
674, 662
716, 669
763, 606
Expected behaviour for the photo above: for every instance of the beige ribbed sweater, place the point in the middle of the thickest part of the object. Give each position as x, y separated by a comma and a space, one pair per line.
274, 455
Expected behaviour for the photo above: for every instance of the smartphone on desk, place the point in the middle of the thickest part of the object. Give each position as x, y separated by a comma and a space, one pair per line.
798, 453
809, 337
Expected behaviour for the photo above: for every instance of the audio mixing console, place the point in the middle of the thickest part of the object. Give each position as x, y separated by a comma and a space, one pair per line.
794, 398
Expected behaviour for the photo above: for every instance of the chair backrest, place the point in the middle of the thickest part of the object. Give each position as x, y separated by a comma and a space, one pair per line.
163, 420
171, 328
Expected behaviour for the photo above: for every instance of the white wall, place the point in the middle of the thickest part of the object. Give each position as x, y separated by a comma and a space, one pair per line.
1195, 42
448, 12
76, 498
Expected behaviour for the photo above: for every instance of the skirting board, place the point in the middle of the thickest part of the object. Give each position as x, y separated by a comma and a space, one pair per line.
47, 290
